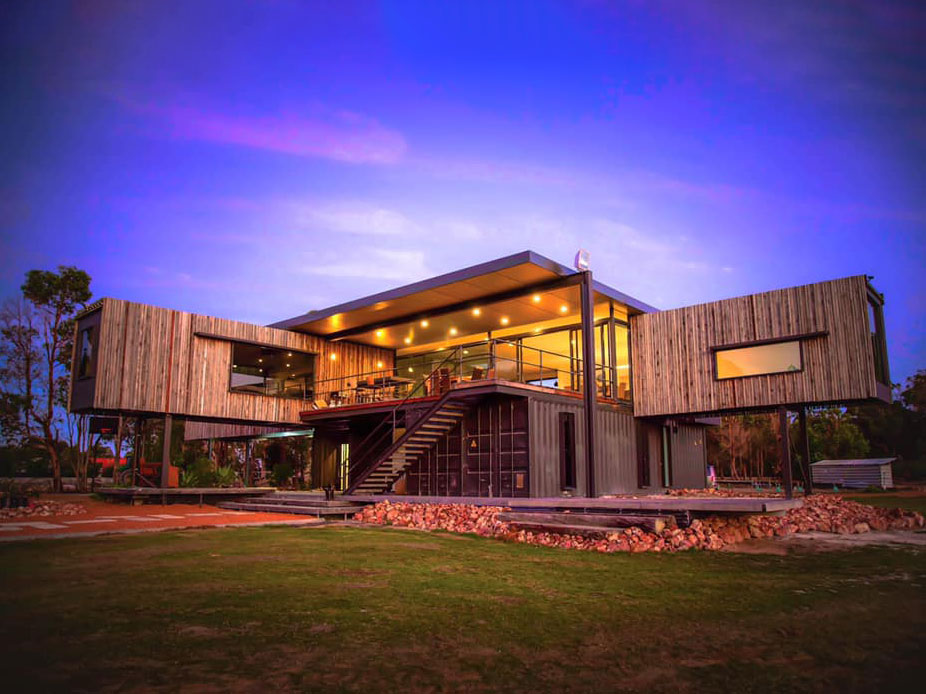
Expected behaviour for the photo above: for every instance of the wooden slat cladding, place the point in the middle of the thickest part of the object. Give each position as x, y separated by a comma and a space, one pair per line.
155, 360
673, 366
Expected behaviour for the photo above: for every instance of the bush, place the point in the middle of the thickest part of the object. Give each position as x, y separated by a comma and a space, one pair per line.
198, 474
281, 474
225, 477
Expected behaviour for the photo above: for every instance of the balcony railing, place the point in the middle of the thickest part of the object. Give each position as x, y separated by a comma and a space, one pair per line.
492, 360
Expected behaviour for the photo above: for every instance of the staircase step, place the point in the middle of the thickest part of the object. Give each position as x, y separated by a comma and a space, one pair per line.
344, 510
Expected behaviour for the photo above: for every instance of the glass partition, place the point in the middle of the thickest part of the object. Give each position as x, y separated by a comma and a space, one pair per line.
271, 371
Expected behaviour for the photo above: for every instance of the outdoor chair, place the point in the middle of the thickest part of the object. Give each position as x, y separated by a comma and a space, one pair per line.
478, 374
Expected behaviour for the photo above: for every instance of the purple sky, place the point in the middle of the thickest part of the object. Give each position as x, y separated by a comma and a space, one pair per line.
256, 160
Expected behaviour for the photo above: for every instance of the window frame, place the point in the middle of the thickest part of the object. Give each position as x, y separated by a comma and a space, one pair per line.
568, 449
264, 345
92, 332
799, 339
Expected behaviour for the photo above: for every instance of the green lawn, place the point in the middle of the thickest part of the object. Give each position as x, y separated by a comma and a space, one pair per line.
379, 610
909, 501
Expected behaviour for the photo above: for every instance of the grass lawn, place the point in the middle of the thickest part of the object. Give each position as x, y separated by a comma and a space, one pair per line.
912, 501
380, 610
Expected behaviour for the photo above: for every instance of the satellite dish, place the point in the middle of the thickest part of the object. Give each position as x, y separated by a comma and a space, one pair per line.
581, 261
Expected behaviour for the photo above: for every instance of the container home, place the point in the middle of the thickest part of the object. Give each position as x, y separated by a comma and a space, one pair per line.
518, 377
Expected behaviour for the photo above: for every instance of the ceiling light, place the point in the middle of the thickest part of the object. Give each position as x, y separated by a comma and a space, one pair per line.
465, 351
453, 331
504, 320
379, 365
424, 324
410, 370
536, 298
234, 366
563, 309
334, 357
477, 311
408, 340
261, 360
536, 330
289, 354
380, 333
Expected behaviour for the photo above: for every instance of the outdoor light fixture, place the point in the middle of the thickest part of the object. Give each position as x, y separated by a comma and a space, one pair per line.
408, 340
380, 333
581, 261
504, 320
379, 365
333, 357
536, 298
424, 324
289, 354
234, 366
410, 370
563, 309
261, 360
453, 331
477, 311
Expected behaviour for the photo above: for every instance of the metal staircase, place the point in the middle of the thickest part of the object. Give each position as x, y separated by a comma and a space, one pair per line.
439, 420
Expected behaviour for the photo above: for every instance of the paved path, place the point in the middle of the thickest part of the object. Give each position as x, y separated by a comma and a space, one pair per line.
102, 519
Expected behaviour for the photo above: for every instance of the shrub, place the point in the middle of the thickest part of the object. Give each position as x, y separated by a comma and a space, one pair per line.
198, 474
225, 477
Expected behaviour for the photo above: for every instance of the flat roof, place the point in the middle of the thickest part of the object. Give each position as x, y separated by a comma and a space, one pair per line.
510, 273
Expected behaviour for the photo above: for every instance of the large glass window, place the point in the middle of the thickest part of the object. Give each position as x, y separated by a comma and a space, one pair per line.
271, 371
778, 357
86, 365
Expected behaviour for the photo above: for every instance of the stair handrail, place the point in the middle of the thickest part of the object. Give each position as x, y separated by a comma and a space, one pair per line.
399, 442
391, 415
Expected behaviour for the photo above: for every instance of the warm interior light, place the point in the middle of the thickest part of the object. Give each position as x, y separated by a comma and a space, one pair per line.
537, 330
536, 298
453, 331
380, 333
289, 354
504, 320
424, 324
477, 311
333, 357
465, 351
379, 365
234, 366
408, 340
261, 360
410, 370
563, 308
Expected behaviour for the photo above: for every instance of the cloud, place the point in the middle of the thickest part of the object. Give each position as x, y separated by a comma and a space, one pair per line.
324, 133
356, 219
375, 263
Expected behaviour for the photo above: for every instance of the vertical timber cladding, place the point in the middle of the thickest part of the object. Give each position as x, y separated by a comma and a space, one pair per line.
673, 365
486, 455
617, 447
155, 360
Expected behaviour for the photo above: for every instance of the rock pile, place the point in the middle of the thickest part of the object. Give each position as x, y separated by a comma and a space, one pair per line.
42, 509
824, 513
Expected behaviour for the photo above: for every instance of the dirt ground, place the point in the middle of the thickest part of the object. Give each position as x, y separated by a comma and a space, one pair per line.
102, 518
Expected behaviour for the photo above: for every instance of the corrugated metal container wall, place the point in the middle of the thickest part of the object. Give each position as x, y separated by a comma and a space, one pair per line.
689, 457
857, 476
616, 461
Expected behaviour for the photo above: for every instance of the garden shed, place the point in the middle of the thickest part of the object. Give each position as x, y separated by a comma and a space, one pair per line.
862, 473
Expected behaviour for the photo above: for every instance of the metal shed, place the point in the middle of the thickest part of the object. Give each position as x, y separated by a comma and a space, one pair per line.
866, 472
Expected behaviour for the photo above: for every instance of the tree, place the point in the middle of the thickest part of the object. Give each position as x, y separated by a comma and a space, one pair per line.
55, 296
19, 362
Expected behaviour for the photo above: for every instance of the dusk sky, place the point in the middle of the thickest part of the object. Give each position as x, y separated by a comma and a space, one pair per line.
256, 160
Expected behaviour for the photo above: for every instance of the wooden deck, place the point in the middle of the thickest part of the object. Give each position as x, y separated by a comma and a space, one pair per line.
660, 503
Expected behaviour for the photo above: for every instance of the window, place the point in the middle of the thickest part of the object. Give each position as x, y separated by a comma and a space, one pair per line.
271, 371
778, 357
666, 457
567, 450
86, 365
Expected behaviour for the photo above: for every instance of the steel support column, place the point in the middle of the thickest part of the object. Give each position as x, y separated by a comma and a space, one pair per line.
805, 451
165, 452
588, 377
785, 443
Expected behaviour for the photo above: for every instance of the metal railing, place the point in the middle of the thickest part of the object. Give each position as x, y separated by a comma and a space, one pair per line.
495, 359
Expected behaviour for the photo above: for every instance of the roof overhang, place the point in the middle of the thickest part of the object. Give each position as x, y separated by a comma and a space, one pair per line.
513, 273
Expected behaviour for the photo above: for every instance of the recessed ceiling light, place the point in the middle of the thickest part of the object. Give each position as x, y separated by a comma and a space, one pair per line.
380, 333
504, 320
536, 298
465, 351
410, 370
477, 311
289, 354
453, 331
563, 309
408, 340
424, 324
379, 365
261, 361
536, 330
333, 357
234, 366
